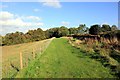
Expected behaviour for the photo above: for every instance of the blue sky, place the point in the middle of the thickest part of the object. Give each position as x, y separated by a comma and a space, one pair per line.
22, 16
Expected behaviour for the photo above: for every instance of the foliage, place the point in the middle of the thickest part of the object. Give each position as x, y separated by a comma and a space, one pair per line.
39, 34
19, 37
13, 38
114, 27
57, 32
63, 31
36, 35
73, 30
107, 53
105, 27
81, 28
112, 34
95, 29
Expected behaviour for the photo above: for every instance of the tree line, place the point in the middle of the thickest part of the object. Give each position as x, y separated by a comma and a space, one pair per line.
97, 29
39, 34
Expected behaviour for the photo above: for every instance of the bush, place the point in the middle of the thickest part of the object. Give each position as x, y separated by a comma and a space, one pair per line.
95, 29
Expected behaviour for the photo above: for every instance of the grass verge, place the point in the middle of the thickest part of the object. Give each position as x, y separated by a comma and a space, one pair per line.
61, 60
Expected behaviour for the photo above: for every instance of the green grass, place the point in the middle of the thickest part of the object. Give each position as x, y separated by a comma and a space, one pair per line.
61, 60
11, 55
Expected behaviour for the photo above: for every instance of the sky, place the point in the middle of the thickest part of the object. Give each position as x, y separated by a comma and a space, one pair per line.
24, 16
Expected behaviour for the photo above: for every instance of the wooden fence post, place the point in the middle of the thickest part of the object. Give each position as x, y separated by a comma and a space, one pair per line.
33, 53
21, 63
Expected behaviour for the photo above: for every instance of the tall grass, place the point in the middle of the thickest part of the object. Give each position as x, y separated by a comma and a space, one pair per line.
11, 56
101, 51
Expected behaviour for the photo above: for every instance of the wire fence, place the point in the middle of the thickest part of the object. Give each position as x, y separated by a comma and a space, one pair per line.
29, 55
23, 58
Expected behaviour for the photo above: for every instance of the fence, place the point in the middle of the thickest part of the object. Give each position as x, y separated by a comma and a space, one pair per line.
24, 57
28, 55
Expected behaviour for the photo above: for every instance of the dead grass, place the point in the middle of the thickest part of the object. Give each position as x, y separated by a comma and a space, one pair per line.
99, 51
10, 56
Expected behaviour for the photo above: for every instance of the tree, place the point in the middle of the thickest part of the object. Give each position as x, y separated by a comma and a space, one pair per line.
52, 32
86, 30
63, 31
57, 32
14, 38
47, 35
40, 35
114, 27
95, 29
36, 35
73, 30
81, 28
105, 27
19, 37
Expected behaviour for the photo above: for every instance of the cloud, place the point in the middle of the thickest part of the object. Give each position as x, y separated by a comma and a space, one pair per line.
35, 18
30, 18
65, 23
36, 10
6, 15
18, 23
10, 21
52, 3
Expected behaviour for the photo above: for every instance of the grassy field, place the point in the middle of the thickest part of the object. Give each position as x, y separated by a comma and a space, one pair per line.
61, 60
11, 56
106, 54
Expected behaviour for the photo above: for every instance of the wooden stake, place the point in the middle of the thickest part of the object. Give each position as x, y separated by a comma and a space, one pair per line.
21, 64
33, 53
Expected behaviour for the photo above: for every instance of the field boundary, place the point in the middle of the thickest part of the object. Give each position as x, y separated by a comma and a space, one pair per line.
23, 57
39, 55
48, 45
42, 50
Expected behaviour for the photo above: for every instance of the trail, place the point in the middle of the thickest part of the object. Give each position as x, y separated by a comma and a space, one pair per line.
61, 60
